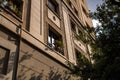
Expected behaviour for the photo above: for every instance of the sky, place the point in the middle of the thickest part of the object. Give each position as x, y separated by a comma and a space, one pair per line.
92, 4
92, 7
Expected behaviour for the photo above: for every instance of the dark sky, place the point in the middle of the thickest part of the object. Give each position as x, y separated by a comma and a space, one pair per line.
92, 4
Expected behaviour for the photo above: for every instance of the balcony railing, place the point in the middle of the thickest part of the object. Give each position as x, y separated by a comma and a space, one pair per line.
58, 48
12, 6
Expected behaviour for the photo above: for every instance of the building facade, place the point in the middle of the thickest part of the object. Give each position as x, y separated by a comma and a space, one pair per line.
42, 39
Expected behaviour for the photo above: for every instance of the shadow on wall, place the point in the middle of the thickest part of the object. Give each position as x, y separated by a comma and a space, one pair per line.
25, 56
27, 73
52, 75
9, 68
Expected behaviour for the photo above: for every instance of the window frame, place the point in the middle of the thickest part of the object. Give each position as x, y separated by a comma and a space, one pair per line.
75, 11
54, 36
54, 3
79, 57
71, 25
51, 40
85, 12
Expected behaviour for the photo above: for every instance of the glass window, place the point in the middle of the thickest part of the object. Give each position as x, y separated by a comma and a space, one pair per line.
51, 40
55, 41
4, 56
53, 5
80, 32
85, 12
73, 26
76, 12
79, 58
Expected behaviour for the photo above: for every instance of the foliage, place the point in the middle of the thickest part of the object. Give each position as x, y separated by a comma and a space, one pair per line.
106, 55
81, 37
68, 1
106, 50
83, 68
59, 43
12, 6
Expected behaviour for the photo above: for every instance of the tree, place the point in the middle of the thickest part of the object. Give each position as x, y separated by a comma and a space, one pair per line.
106, 49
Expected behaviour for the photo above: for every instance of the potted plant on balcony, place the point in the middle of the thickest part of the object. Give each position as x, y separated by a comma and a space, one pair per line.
59, 46
10, 5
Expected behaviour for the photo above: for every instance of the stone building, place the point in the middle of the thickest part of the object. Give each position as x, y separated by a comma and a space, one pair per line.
39, 38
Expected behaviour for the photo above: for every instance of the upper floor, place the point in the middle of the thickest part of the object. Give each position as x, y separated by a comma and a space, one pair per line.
61, 25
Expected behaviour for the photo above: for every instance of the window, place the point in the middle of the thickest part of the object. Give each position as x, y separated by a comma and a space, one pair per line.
73, 26
14, 6
79, 58
28, 14
76, 12
4, 57
55, 41
85, 12
72, 6
69, 3
53, 5
80, 32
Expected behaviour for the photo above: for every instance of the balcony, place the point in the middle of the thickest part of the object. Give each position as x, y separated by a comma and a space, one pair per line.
55, 41
14, 7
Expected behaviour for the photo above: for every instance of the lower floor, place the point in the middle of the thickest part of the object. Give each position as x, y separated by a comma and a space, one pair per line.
20, 60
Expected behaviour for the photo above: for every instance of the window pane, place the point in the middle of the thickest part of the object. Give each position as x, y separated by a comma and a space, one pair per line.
49, 39
55, 41
53, 5
73, 25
